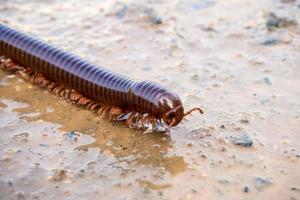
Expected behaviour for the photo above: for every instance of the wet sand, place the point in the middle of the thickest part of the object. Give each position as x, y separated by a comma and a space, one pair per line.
238, 60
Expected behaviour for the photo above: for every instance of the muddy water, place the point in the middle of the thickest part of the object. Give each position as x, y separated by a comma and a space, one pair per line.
219, 55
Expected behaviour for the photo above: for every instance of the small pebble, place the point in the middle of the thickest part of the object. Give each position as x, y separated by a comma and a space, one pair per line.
267, 80
246, 189
223, 180
58, 175
223, 149
262, 183
10, 183
146, 191
189, 145
20, 196
146, 68
244, 121
152, 16
270, 41
198, 5
273, 21
195, 77
50, 109
121, 13
295, 189
44, 145
72, 136
242, 140
22, 137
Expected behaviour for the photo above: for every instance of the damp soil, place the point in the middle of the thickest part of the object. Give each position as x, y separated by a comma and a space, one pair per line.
238, 60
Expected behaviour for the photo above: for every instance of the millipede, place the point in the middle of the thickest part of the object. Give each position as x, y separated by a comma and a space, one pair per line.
139, 103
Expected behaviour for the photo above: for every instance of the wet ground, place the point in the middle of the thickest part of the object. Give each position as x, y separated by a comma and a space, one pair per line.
238, 60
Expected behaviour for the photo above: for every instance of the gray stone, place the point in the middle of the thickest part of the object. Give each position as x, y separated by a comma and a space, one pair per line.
262, 183
243, 140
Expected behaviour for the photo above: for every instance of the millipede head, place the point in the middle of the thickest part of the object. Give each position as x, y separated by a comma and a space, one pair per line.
171, 109
173, 116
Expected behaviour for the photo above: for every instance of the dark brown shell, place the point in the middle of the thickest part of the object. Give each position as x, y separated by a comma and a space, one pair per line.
91, 80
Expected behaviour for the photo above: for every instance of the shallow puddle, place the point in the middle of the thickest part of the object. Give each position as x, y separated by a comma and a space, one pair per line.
230, 57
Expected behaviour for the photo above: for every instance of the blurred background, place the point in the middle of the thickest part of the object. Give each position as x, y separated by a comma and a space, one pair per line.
237, 59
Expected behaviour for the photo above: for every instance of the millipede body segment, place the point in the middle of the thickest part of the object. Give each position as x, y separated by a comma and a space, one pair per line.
76, 79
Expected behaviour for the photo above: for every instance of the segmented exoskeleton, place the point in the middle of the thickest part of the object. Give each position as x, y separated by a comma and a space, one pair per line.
112, 95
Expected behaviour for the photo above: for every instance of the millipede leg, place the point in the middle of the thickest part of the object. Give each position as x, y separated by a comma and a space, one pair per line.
146, 120
67, 94
152, 120
42, 81
23, 75
57, 90
138, 120
74, 96
9, 65
83, 101
100, 111
143, 121
95, 106
89, 105
105, 113
62, 93
32, 78
115, 113
129, 120
52, 86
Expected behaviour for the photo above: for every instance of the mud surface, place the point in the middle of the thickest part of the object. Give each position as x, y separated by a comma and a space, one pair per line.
239, 60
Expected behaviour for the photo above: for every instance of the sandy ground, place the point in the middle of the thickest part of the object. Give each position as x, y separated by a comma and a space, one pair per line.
238, 59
